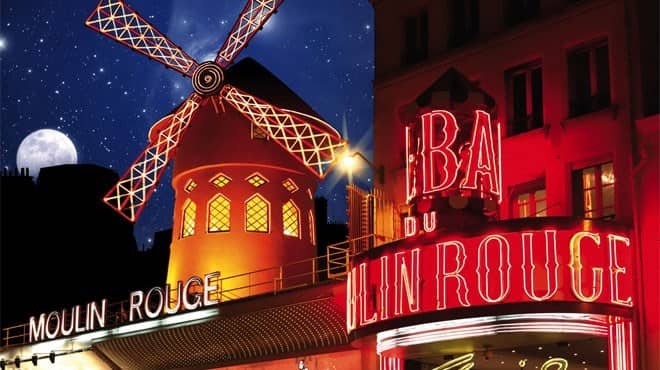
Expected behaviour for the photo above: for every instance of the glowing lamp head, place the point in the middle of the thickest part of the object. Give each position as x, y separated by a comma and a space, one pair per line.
348, 161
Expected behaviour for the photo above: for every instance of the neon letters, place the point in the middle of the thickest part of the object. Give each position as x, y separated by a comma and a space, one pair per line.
434, 157
496, 268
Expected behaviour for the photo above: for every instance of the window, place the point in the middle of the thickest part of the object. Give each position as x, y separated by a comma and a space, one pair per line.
525, 98
594, 192
312, 227
416, 38
256, 179
257, 214
218, 214
518, 11
188, 219
290, 185
464, 21
221, 180
291, 219
190, 186
257, 132
530, 204
588, 78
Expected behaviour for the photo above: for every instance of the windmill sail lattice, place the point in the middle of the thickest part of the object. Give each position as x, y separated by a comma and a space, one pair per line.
116, 20
308, 139
253, 16
129, 195
311, 145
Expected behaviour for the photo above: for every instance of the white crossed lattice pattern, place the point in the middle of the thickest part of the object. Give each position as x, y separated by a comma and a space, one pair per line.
253, 16
315, 148
130, 194
116, 20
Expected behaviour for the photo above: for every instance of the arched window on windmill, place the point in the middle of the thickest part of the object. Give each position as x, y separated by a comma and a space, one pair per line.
257, 214
188, 219
218, 215
291, 219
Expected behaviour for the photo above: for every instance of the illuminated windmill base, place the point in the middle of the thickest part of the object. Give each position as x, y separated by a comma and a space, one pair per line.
242, 203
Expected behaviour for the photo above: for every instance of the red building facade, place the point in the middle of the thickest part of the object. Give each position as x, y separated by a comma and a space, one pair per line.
579, 122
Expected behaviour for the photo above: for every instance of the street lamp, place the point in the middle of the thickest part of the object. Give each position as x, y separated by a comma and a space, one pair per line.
349, 162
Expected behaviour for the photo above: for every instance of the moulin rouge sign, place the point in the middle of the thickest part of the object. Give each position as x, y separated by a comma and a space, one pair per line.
194, 294
512, 267
546, 264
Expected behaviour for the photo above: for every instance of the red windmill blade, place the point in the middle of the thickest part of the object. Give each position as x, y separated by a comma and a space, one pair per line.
252, 18
116, 20
131, 192
308, 139
314, 144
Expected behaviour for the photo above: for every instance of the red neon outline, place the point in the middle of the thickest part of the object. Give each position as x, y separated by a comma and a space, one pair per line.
616, 269
363, 298
384, 287
528, 249
403, 280
576, 267
430, 222
482, 130
461, 257
505, 284
450, 163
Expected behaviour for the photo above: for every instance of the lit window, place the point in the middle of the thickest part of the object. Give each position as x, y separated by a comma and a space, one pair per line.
290, 185
221, 180
188, 222
589, 78
190, 186
291, 219
218, 216
530, 204
312, 227
256, 179
257, 214
594, 191
525, 97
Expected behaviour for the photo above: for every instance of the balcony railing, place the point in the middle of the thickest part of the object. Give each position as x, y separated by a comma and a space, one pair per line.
273, 280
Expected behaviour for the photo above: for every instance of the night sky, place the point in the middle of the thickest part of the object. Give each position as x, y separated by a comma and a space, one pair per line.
58, 74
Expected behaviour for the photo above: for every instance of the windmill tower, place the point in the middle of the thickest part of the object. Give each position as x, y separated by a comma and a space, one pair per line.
244, 172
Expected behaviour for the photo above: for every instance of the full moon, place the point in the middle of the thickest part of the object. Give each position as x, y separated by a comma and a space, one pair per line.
45, 148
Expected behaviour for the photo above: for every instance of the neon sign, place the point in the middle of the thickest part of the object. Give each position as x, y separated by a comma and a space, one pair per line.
496, 268
465, 362
436, 163
195, 293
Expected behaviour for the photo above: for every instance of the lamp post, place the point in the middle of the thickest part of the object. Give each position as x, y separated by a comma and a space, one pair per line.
349, 162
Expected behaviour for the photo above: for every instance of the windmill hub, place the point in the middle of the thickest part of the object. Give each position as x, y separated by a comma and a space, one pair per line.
207, 79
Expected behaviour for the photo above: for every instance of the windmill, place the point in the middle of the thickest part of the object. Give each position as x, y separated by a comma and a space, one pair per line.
315, 144
245, 173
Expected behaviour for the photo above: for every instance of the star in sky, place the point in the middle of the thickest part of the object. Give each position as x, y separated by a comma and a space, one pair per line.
58, 74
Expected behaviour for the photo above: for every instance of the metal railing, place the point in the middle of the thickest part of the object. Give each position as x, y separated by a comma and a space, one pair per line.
308, 272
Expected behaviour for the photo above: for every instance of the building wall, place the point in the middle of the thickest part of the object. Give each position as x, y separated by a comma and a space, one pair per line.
551, 153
